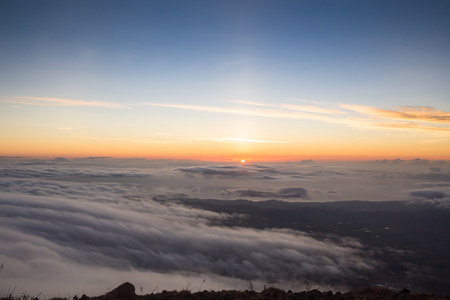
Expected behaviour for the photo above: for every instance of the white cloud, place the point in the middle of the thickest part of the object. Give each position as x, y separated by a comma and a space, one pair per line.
52, 227
78, 222
62, 102
363, 117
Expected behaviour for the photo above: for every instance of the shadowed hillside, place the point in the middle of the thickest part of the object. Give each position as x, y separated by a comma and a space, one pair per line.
127, 291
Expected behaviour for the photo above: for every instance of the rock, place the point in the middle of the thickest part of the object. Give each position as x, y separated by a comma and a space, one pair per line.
125, 291
402, 294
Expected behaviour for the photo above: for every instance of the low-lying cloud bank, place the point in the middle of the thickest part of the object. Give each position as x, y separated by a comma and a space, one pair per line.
71, 225
45, 232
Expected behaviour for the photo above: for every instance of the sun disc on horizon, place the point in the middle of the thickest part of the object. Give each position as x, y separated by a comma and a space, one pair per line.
242, 161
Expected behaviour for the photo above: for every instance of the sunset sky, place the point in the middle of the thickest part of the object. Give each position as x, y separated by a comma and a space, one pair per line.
225, 80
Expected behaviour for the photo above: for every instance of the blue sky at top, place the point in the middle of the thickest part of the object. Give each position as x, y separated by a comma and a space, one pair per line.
203, 51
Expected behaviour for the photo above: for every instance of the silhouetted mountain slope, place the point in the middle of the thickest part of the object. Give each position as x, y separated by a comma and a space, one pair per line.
126, 291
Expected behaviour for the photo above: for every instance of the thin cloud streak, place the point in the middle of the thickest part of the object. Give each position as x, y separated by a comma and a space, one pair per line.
278, 112
295, 107
414, 126
63, 102
357, 116
212, 109
312, 109
407, 118
417, 113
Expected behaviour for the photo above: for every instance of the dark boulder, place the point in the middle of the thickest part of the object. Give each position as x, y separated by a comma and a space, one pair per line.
125, 291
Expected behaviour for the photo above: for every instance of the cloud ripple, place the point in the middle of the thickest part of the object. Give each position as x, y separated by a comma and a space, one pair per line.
143, 235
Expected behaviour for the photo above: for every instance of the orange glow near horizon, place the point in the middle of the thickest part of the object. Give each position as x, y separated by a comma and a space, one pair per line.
219, 157
319, 149
235, 138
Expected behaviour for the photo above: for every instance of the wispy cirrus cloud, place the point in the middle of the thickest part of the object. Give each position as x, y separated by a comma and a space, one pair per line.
405, 118
410, 118
216, 109
296, 107
62, 102
411, 113
274, 111
412, 126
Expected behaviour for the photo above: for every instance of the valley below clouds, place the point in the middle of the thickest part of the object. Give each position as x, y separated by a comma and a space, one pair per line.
86, 225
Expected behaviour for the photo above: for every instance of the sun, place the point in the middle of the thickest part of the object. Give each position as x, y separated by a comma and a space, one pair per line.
242, 161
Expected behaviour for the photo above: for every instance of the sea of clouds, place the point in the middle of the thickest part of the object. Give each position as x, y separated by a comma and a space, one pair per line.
87, 225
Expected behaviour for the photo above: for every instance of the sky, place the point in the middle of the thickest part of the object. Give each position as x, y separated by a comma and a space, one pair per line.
225, 80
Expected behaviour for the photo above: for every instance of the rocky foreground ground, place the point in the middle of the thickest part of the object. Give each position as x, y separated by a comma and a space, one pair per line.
126, 291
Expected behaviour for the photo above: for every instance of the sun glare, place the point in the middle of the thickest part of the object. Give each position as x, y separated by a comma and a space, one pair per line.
242, 161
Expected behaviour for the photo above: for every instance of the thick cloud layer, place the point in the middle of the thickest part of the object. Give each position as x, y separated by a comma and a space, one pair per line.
300, 193
243, 171
61, 219
154, 237
428, 194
